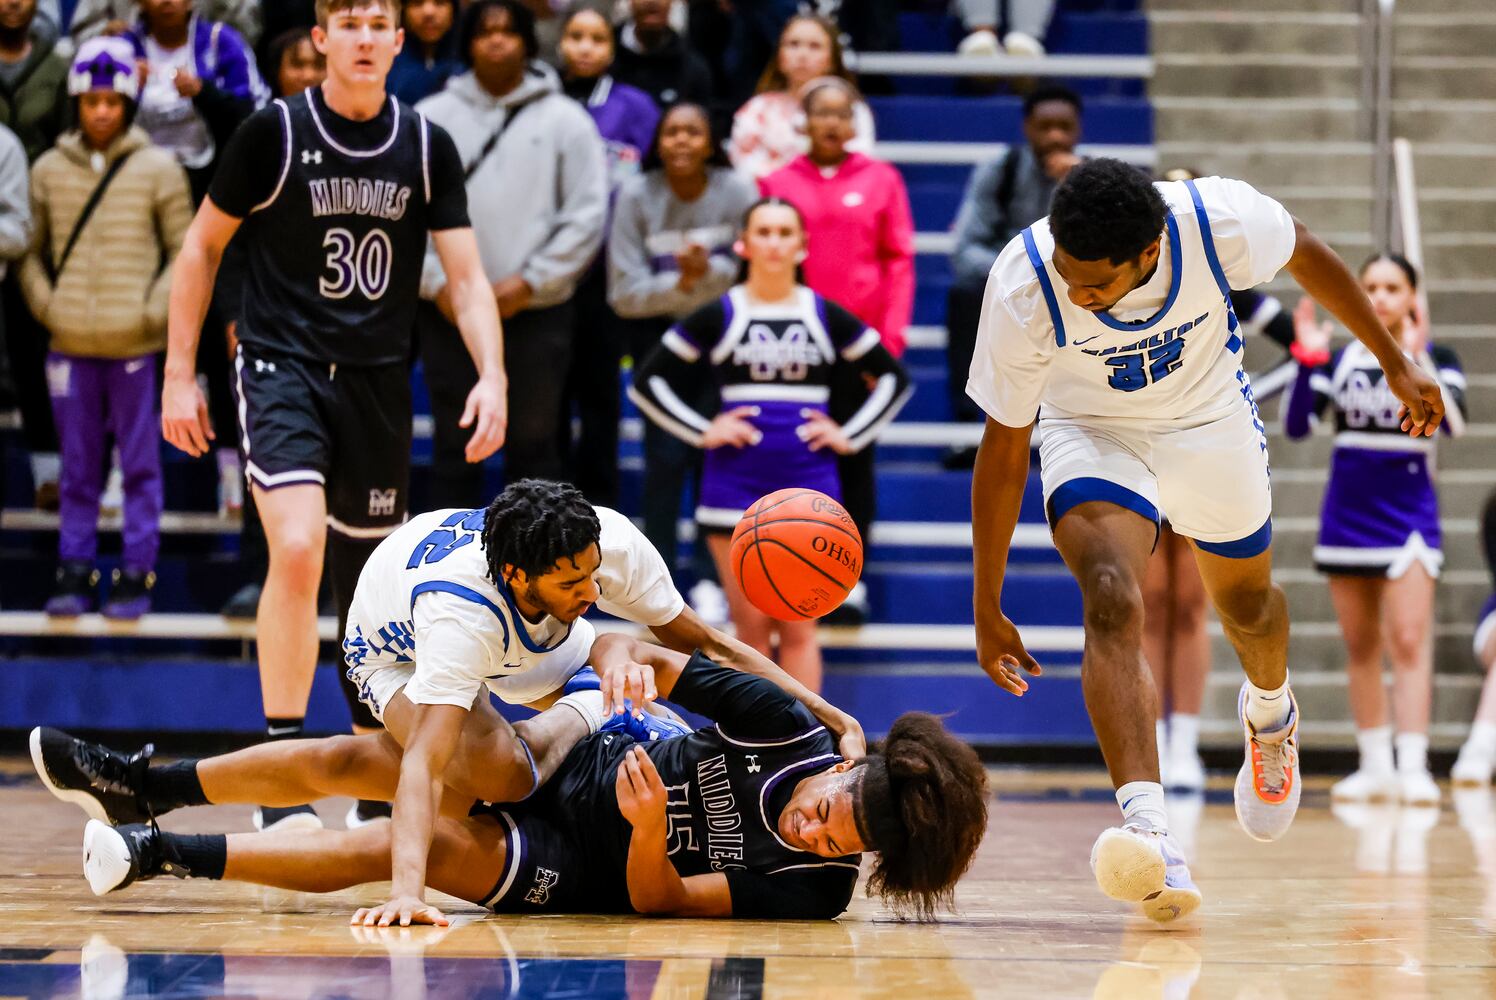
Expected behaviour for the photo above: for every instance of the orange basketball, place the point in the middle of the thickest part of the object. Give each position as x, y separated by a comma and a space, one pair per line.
796, 553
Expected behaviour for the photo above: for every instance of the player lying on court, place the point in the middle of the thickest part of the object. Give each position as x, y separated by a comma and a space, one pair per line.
756, 817
1110, 325
454, 602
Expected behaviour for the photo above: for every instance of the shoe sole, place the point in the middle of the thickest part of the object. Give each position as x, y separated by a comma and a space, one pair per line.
82, 800
1126, 869
1171, 904
292, 823
354, 821
106, 857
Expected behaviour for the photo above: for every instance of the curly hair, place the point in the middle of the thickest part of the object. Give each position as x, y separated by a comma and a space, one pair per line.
534, 524
1106, 210
921, 804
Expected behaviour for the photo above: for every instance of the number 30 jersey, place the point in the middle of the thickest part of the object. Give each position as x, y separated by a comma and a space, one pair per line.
425, 600
333, 249
1170, 351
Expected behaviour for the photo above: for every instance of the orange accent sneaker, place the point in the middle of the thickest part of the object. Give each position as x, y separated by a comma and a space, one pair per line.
1267, 786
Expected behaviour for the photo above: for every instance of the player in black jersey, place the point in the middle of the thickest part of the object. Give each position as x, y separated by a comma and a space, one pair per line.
757, 816
335, 190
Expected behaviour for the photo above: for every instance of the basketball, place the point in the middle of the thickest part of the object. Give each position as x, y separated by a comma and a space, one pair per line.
796, 553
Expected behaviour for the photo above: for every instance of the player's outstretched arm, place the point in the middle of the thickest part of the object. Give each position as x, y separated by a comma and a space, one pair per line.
1321, 273
996, 494
184, 411
434, 733
477, 317
687, 632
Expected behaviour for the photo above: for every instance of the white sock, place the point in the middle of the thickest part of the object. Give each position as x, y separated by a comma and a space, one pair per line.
1144, 800
1376, 749
588, 704
1267, 708
1161, 737
1184, 735
46, 466
1482, 738
1412, 752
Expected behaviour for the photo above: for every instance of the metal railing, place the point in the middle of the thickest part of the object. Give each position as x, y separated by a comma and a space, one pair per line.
951, 64
1376, 105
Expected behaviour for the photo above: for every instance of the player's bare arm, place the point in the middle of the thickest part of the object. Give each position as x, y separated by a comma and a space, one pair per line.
655, 887
996, 495
477, 318
687, 632
184, 410
434, 734
1321, 273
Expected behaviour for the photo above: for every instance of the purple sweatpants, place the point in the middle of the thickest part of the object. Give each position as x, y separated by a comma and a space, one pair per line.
92, 398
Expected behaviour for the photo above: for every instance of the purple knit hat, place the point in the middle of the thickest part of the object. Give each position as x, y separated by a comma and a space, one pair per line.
104, 63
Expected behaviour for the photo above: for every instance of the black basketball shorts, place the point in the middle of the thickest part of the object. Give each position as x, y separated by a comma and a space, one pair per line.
547, 868
342, 427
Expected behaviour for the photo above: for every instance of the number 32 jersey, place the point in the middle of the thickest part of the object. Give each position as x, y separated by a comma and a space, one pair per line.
336, 214
1170, 351
425, 603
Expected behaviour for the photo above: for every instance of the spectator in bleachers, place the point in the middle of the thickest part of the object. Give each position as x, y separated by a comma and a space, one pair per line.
655, 58
860, 254
278, 17
1027, 24
115, 17
670, 251
33, 104
773, 427
429, 56
626, 118
538, 196
15, 226
1002, 199
292, 65
200, 82
99, 283
769, 131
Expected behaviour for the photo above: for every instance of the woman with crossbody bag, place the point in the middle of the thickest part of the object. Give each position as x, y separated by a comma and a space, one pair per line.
110, 211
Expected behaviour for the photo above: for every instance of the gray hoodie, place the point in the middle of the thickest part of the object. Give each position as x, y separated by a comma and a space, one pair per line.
15, 199
539, 199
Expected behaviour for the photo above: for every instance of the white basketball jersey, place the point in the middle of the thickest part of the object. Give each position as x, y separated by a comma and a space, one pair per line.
1183, 361
435, 565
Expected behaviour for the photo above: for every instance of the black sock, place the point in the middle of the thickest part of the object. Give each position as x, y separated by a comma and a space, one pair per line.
202, 855
288, 728
172, 786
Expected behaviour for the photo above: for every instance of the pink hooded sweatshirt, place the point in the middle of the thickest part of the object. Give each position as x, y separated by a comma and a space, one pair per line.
861, 252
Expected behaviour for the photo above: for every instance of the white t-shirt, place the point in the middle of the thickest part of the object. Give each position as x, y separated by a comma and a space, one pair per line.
172, 120
1129, 370
424, 597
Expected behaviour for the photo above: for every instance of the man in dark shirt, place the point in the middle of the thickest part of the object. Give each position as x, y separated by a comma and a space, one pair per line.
655, 58
336, 190
756, 817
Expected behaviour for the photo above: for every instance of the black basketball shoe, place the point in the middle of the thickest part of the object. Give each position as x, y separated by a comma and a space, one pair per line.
114, 857
109, 786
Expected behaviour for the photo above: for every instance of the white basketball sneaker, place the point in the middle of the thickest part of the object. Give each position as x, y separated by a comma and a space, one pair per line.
1417, 788
1137, 863
1267, 786
1367, 786
1472, 768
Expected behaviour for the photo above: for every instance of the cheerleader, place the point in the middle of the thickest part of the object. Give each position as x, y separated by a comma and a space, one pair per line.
772, 347
1478, 755
1379, 528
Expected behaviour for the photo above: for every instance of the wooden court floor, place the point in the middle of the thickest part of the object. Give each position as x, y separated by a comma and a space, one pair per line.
1380, 903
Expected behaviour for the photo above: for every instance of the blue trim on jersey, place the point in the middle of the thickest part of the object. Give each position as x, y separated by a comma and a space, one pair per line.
466, 593
1069, 495
1176, 266
519, 627
1208, 239
1045, 286
1243, 548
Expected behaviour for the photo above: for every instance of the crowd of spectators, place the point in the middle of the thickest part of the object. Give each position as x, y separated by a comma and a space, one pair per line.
612, 149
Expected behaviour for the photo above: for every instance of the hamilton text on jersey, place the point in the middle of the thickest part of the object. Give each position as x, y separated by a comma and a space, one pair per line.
358, 196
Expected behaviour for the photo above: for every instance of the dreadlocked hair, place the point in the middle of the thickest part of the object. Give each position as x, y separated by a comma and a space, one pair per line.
1106, 210
922, 806
534, 524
